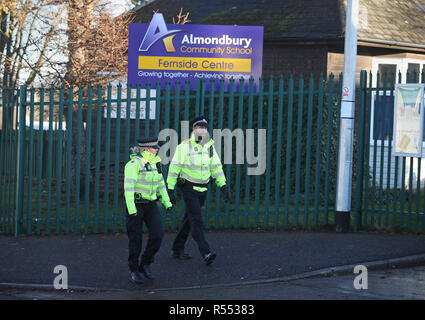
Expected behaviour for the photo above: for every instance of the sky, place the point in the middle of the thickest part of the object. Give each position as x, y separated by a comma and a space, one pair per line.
120, 6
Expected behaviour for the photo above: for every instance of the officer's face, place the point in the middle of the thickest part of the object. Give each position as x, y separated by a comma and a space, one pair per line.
152, 150
201, 133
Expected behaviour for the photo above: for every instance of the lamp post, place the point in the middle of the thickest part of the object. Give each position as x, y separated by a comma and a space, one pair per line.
348, 94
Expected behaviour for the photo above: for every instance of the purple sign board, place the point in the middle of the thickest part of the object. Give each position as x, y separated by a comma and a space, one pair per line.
169, 53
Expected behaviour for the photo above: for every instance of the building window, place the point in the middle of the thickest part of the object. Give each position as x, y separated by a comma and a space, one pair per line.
387, 72
382, 111
409, 69
383, 114
413, 72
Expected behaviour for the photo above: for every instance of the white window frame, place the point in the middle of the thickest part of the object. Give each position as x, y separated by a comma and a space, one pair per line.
401, 63
401, 66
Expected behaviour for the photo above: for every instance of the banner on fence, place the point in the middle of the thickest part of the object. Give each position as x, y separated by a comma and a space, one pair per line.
169, 53
408, 120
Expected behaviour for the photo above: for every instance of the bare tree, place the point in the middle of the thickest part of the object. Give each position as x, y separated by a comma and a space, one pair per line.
181, 18
26, 31
97, 43
96, 49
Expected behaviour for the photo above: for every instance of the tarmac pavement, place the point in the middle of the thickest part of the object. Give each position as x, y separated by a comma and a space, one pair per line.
245, 260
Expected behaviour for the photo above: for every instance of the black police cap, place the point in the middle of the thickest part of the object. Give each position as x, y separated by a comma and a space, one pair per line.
148, 142
199, 121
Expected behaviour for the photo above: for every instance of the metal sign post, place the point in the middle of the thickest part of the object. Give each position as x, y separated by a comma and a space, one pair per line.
345, 152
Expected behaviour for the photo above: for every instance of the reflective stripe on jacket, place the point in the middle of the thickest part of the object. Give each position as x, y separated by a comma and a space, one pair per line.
141, 178
192, 162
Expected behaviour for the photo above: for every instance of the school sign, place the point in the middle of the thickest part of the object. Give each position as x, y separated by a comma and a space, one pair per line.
169, 53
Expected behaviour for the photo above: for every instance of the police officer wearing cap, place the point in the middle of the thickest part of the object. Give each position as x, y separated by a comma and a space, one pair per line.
195, 163
143, 186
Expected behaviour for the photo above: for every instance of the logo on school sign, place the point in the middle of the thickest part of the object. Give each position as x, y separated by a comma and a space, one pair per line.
171, 53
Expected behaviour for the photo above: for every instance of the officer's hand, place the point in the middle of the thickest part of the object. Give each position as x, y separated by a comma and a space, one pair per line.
171, 196
133, 215
169, 209
226, 193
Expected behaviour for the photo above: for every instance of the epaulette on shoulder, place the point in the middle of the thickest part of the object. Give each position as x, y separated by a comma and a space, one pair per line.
186, 141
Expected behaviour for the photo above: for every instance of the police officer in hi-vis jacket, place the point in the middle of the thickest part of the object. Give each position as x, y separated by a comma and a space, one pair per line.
195, 163
143, 186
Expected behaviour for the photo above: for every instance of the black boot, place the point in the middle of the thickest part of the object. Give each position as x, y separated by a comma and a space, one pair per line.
146, 270
136, 277
209, 257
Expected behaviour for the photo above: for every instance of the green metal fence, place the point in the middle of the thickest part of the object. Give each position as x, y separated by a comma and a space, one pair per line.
389, 191
67, 177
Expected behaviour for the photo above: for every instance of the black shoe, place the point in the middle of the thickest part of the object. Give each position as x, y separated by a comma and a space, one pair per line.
136, 277
146, 270
181, 255
209, 258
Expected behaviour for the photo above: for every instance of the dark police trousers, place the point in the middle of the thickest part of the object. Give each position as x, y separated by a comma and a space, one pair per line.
192, 221
149, 214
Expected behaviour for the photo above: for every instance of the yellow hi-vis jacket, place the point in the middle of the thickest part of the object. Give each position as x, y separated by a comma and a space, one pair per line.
142, 179
195, 163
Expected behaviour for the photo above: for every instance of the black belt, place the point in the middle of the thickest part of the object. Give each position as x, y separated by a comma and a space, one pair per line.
182, 181
140, 200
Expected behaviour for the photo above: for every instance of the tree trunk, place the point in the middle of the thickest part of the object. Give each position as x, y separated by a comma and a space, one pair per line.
80, 13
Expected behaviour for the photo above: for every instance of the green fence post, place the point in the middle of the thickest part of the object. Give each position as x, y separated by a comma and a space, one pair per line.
330, 93
210, 130
97, 157
49, 160
147, 108
117, 158
59, 161
88, 159
2, 157
318, 150
177, 128
298, 147
167, 112
220, 126
107, 158
157, 107
367, 150
229, 166
138, 100
423, 81
258, 177
389, 154
238, 165
288, 148
360, 154
78, 168
68, 159
40, 160
21, 163
278, 171
249, 127
270, 150
30, 162
308, 151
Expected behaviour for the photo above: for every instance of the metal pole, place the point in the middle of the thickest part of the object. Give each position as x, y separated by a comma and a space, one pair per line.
345, 152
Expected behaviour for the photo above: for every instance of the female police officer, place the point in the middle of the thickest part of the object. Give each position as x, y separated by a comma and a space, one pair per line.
143, 185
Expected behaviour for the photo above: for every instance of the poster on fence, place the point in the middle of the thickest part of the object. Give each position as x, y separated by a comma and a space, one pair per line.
159, 52
408, 120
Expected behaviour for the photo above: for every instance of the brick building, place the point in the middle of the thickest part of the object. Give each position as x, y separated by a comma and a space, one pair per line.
308, 35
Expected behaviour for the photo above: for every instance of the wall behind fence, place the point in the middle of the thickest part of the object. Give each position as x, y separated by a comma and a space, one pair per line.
75, 144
